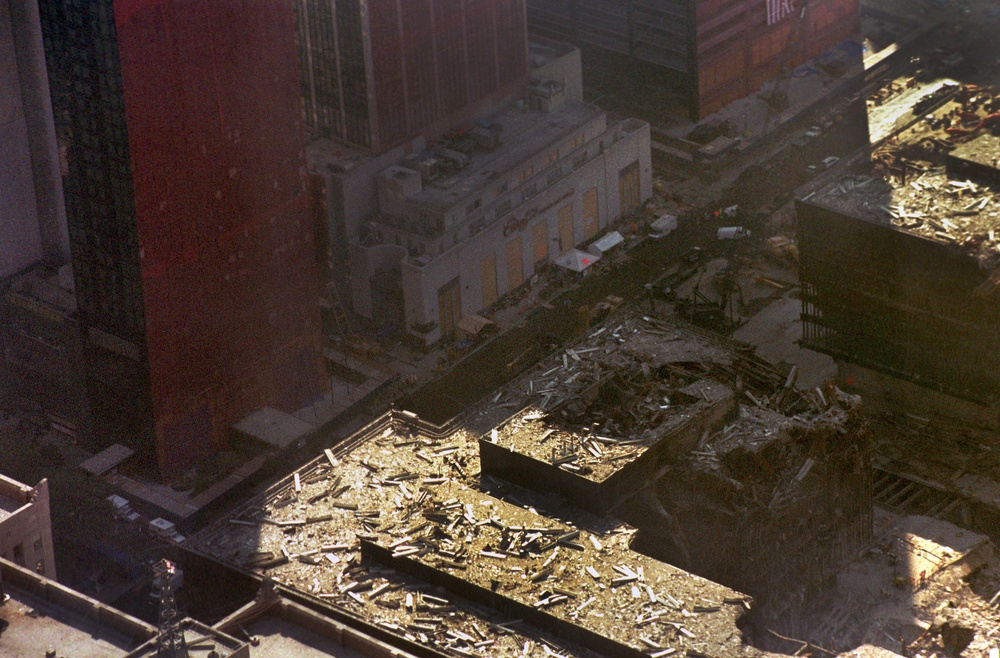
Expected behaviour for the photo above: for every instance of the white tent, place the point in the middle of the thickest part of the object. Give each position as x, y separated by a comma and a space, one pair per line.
576, 260
606, 243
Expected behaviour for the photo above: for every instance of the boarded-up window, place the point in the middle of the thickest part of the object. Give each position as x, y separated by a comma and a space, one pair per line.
449, 306
628, 188
566, 228
591, 214
540, 241
488, 276
515, 264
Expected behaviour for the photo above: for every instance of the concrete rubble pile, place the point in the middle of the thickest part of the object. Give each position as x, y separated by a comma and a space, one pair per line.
726, 468
393, 530
418, 531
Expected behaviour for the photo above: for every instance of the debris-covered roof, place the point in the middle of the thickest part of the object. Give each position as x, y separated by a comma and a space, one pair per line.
400, 528
399, 484
931, 204
582, 585
911, 189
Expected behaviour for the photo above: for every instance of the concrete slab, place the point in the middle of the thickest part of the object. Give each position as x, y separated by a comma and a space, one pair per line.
928, 546
30, 626
775, 332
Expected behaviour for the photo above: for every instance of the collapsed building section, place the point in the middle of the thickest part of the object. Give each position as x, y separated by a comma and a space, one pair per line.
373, 534
899, 267
590, 588
440, 537
769, 504
726, 469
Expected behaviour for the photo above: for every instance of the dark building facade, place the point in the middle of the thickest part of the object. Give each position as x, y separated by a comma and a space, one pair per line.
377, 73
891, 284
721, 50
191, 245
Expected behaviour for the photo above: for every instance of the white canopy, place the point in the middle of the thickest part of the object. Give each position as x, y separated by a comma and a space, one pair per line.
606, 243
576, 260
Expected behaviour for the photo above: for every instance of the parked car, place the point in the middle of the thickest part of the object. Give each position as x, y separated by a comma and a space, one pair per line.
732, 233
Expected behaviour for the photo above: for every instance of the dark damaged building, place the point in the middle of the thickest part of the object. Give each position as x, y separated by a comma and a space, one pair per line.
900, 269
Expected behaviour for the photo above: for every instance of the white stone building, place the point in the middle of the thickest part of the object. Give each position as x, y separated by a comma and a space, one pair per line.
453, 227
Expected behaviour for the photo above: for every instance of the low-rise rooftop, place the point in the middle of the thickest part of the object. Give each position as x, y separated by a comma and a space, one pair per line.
522, 134
925, 181
42, 615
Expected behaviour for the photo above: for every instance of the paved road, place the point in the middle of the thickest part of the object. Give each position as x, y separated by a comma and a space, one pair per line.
486, 369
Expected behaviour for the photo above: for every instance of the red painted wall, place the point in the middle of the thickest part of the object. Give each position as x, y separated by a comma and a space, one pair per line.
737, 51
227, 251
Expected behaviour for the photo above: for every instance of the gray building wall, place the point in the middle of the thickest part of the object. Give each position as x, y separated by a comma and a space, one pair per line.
464, 260
32, 214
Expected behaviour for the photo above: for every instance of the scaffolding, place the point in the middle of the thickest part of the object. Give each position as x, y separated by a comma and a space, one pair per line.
170, 642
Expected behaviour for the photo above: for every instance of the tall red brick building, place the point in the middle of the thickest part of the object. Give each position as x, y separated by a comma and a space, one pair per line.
193, 254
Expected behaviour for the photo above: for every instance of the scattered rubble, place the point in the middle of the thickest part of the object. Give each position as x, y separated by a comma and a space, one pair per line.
591, 588
399, 527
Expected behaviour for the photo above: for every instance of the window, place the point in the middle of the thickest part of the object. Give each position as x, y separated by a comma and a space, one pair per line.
527, 173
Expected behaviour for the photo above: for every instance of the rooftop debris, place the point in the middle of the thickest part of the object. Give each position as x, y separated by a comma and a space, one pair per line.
911, 188
404, 490
399, 527
556, 576
720, 497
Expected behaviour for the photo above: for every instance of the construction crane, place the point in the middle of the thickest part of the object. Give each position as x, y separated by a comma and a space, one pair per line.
777, 98
170, 642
